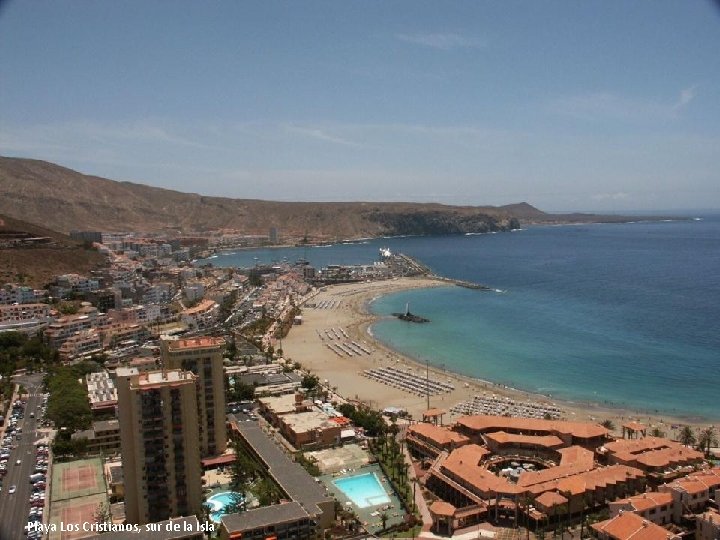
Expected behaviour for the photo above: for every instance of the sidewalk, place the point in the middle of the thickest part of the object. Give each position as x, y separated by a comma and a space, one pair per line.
419, 499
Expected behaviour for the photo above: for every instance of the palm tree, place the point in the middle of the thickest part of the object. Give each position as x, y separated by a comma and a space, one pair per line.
383, 518
584, 503
686, 436
608, 424
707, 439
566, 513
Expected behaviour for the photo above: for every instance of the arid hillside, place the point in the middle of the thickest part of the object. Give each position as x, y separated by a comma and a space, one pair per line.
32, 255
66, 200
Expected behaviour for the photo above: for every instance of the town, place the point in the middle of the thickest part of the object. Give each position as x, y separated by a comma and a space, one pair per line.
153, 399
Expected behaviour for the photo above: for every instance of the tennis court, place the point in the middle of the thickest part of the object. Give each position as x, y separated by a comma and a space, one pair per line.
77, 479
75, 512
78, 489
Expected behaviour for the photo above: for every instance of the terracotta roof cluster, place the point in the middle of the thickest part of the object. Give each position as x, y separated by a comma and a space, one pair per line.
581, 430
577, 455
652, 452
465, 463
547, 441
630, 526
530, 478
579, 482
646, 501
698, 482
438, 435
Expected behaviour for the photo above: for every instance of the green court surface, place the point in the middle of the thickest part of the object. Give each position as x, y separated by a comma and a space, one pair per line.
77, 479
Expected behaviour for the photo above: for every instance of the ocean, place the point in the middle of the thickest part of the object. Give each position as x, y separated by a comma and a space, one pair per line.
618, 314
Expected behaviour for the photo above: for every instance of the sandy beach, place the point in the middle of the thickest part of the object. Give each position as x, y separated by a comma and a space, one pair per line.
344, 308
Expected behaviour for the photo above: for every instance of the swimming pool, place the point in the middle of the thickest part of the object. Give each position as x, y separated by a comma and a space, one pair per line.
219, 502
364, 490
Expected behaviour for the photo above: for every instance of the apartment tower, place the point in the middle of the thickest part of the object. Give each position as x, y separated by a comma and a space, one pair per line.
159, 444
203, 356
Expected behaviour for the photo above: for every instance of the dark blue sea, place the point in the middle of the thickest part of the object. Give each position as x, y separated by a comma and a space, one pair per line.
618, 314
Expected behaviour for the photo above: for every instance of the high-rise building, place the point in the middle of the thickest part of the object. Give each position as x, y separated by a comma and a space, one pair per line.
204, 357
159, 444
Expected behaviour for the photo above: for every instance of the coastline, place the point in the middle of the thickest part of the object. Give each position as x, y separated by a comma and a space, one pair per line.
351, 311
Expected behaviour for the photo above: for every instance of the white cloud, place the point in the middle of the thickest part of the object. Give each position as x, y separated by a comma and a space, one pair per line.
686, 96
317, 133
609, 106
62, 135
442, 41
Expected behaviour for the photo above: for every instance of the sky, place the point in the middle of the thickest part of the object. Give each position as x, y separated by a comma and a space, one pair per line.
599, 105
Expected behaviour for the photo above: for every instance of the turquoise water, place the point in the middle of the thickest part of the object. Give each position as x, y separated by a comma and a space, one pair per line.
217, 504
622, 314
363, 490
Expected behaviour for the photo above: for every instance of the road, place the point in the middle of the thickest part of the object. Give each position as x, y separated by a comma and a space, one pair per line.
14, 509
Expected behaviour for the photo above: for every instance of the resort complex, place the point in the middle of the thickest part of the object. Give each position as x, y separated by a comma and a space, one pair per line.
194, 402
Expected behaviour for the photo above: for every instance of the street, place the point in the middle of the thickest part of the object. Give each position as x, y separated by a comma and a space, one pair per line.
14, 508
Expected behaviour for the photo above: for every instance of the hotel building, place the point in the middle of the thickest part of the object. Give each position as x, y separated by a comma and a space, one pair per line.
203, 356
306, 509
159, 442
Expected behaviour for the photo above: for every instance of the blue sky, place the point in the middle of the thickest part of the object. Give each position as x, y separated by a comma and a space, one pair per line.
592, 105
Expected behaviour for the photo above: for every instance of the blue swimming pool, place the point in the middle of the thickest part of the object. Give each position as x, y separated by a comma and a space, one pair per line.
363, 490
219, 502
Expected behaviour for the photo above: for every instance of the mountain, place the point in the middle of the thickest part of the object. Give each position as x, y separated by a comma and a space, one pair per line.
31, 254
67, 200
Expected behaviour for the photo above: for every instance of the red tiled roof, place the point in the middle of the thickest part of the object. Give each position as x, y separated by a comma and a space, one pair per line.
577, 455
442, 508
225, 459
652, 452
690, 485
628, 526
645, 501
634, 426
441, 436
583, 430
580, 482
550, 499
547, 441
465, 463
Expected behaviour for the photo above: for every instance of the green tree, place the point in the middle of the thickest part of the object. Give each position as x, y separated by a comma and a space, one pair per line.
310, 382
265, 492
707, 439
686, 436
657, 432
608, 424
384, 519
68, 404
102, 513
